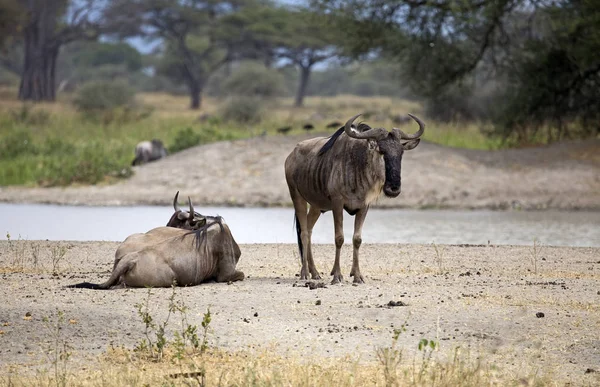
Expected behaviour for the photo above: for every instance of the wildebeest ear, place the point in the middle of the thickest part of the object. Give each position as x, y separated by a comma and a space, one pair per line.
412, 144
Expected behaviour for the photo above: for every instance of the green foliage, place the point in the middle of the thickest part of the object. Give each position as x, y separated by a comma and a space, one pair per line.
96, 54
97, 97
56, 162
537, 66
254, 80
243, 110
16, 144
185, 138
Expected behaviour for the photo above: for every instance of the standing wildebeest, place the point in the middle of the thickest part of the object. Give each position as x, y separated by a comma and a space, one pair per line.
147, 151
346, 171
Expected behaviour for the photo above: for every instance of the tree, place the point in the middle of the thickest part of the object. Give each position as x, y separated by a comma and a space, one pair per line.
50, 25
541, 55
304, 40
195, 44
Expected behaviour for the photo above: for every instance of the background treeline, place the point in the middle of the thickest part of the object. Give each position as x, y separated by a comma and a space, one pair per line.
526, 71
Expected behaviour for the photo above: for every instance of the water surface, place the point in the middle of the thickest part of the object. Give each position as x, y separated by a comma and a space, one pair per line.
275, 225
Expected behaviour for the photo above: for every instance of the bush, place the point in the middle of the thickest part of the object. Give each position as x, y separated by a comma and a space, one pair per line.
184, 138
97, 96
254, 80
16, 144
243, 110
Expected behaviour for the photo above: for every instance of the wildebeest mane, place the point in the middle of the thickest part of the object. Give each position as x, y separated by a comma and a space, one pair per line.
200, 233
329, 144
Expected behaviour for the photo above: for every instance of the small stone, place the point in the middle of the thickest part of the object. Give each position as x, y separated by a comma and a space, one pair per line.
318, 302
255, 314
539, 315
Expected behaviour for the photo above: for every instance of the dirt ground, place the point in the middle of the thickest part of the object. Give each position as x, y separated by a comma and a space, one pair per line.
250, 173
522, 310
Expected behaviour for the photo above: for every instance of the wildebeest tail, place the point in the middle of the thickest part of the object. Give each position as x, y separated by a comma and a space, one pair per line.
85, 285
298, 232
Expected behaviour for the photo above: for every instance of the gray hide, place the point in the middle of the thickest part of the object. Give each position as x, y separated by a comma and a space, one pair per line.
165, 255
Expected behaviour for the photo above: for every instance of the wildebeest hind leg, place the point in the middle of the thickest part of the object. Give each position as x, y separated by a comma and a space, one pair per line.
300, 208
313, 216
120, 270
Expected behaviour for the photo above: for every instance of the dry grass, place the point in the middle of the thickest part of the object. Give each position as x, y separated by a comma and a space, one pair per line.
121, 367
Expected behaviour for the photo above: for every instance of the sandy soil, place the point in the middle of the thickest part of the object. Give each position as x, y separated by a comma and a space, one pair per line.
250, 173
486, 299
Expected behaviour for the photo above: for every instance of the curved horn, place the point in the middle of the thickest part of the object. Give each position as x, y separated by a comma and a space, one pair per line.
175, 205
191, 209
419, 133
375, 133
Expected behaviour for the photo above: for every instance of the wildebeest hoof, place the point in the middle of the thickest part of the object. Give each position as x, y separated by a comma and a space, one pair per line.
358, 279
337, 279
303, 274
316, 276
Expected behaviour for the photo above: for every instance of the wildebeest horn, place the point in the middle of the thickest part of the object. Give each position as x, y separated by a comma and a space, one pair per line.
375, 133
175, 205
412, 136
191, 209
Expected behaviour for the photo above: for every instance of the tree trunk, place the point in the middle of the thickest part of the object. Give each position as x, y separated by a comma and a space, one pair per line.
41, 53
304, 77
195, 94
38, 78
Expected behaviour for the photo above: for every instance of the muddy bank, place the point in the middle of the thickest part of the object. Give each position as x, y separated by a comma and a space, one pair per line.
563, 176
524, 311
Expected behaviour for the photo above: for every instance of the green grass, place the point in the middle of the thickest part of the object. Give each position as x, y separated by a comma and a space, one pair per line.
54, 145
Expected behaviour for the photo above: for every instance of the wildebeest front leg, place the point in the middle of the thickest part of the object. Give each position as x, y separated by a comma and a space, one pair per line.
313, 216
338, 222
356, 242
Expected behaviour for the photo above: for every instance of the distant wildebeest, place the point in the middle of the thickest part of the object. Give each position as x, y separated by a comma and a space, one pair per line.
333, 124
147, 151
284, 129
346, 171
308, 126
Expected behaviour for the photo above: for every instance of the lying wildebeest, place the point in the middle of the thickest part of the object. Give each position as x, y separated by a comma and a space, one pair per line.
346, 171
333, 124
308, 126
194, 253
147, 151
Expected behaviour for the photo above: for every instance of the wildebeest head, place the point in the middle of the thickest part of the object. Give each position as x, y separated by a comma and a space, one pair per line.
188, 220
391, 145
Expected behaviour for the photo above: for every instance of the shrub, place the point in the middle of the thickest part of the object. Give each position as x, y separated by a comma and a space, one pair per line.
184, 138
243, 110
254, 80
94, 97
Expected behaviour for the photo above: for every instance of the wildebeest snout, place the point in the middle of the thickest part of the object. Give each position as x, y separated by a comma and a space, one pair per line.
392, 190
